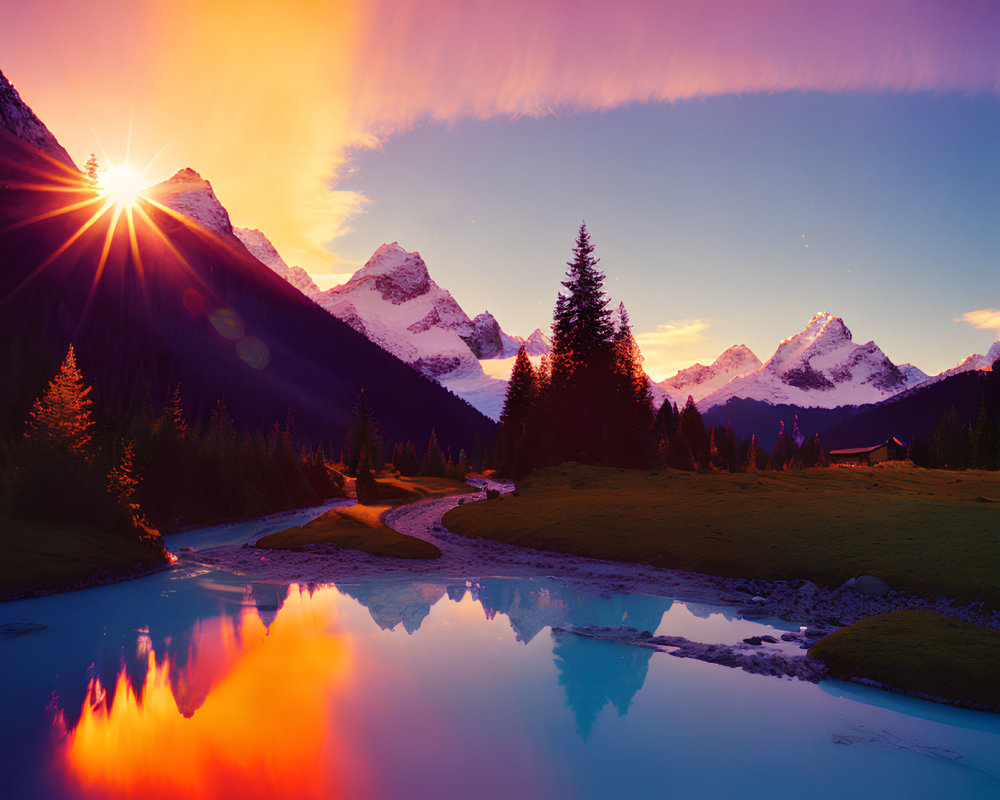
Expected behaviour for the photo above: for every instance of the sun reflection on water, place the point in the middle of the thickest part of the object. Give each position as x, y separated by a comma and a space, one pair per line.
253, 713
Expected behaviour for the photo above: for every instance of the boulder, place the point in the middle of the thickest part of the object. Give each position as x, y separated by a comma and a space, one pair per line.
867, 584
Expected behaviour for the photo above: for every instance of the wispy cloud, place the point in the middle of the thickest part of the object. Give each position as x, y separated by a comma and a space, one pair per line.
673, 346
270, 103
987, 319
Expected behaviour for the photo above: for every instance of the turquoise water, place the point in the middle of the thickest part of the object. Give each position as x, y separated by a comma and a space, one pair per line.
429, 688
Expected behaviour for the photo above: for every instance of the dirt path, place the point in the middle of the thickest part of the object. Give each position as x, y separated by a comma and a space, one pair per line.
798, 601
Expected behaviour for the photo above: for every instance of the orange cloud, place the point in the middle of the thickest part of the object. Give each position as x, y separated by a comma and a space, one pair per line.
984, 319
673, 346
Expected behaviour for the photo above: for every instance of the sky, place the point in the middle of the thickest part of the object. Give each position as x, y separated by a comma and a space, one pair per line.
741, 166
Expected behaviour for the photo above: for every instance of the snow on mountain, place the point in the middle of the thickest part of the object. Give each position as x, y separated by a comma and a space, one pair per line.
189, 194
820, 367
538, 344
975, 361
20, 120
699, 381
913, 374
260, 247
487, 340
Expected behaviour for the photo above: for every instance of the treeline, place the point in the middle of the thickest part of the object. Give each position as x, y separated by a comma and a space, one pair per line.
589, 400
365, 453
972, 446
150, 468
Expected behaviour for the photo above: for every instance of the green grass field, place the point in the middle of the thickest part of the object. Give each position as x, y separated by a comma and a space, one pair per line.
917, 652
47, 556
922, 531
355, 527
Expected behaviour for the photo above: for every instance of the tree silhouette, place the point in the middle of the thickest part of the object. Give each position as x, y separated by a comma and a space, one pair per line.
517, 407
362, 437
91, 170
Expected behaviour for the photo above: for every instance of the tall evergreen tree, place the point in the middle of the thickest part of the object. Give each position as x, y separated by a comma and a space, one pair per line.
582, 377
517, 407
581, 324
982, 439
57, 476
62, 419
433, 463
692, 428
631, 413
362, 437
950, 445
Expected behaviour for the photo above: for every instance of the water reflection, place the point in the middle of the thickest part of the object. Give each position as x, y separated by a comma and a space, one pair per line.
186, 727
179, 710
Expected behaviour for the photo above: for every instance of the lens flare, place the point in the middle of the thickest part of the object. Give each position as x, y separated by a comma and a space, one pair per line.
122, 185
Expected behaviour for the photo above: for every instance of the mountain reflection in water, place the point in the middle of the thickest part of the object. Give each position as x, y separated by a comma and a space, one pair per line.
286, 667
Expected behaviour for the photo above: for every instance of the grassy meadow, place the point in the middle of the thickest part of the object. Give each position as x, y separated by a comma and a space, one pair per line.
928, 532
912, 651
53, 556
358, 527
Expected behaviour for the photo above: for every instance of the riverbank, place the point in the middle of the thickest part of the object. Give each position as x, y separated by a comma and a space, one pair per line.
39, 558
923, 532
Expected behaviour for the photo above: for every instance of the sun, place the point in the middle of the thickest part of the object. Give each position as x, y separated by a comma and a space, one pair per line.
121, 185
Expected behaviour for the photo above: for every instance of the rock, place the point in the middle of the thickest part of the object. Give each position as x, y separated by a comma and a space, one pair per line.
758, 599
867, 584
768, 639
791, 637
753, 640
11, 630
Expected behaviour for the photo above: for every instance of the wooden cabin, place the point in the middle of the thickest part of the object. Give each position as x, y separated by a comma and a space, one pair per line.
891, 450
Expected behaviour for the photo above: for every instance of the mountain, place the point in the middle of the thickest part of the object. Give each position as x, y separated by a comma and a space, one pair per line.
974, 362
187, 305
189, 194
260, 247
698, 381
538, 344
819, 367
16, 117
393, 301
918, 411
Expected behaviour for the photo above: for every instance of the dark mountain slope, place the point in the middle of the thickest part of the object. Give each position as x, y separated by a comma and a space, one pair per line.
914, 412
918, 411
195, 309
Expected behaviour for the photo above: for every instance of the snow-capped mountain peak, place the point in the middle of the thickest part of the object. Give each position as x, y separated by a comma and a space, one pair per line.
397, 275
538, 344
260, 247
699, 381
21, 121
824, 333
821, 367
189, 194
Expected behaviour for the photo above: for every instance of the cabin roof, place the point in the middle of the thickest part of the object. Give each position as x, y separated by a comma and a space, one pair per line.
855, 451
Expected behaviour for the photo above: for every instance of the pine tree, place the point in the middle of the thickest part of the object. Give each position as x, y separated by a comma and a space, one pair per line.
950, 445
982, 439
57, 476
581, 324
917, 452
692, 428
362, 437
433, 463
631, 413
61, 419
517, 407
91, 170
